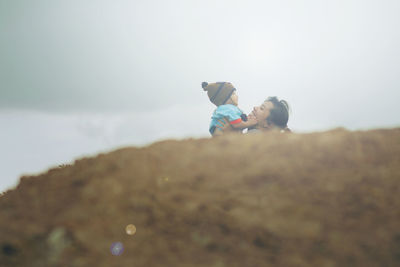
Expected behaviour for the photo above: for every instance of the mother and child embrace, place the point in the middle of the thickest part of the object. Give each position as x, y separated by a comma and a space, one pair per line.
227, 117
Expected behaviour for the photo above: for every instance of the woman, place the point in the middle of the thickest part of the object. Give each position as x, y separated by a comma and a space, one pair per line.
271, 114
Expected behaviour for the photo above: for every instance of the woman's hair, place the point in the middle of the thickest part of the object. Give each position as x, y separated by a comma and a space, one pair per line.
279, 114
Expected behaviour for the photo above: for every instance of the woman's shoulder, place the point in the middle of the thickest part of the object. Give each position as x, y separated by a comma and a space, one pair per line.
253, 130
275, 129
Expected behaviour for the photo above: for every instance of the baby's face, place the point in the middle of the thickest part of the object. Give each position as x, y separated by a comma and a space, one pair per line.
235, 98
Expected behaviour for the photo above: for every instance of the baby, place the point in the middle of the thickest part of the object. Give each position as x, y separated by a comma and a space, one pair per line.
223, 95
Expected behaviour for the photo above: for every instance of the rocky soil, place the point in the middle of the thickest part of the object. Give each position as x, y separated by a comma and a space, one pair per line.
271, 199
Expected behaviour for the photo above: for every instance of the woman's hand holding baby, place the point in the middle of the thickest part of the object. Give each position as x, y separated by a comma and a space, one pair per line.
227, 127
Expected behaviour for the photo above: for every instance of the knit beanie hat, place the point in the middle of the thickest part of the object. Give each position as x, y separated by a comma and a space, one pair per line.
218, 92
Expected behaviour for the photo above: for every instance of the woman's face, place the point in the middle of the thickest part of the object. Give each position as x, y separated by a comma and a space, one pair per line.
262, 112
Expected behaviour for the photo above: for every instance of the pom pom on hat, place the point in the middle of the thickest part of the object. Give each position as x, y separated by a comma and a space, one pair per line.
204, 85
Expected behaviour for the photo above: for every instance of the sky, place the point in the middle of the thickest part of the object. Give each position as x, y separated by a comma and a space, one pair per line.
78, 78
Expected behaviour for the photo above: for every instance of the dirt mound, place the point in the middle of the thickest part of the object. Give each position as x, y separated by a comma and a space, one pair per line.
271, 199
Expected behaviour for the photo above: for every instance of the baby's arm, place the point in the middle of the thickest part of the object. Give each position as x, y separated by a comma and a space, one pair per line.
251, 121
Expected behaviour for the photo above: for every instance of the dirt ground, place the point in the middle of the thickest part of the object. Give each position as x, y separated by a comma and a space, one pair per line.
320, 199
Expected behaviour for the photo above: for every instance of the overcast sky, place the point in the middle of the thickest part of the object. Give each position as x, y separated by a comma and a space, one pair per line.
82, 77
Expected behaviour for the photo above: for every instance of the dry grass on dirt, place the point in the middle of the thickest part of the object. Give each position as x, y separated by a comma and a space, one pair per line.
271, 199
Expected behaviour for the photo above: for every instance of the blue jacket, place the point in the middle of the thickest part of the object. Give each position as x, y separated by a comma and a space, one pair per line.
231, 112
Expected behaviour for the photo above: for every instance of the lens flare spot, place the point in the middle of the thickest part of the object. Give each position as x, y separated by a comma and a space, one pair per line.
130, 229
117, 248
163, 181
